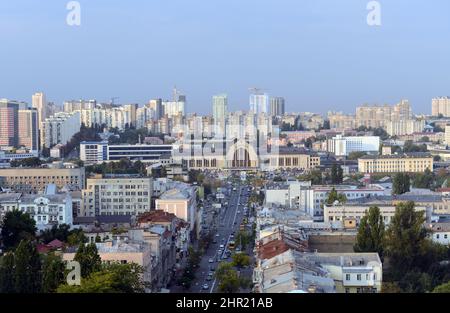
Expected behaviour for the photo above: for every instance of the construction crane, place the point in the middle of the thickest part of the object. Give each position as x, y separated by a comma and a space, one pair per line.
255, 90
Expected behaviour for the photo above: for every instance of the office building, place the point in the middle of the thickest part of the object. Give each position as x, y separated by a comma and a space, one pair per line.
120, 195
277, 106
33, 180
97, 152
402, 163
343, 146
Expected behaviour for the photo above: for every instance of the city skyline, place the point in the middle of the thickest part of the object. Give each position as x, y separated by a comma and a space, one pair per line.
319, 55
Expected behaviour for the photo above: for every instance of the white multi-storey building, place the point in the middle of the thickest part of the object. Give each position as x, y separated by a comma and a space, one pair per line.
404, 127
343, 146
60, 128
46, 210
117, 196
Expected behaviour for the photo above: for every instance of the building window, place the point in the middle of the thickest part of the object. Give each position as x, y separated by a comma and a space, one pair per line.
358, 277
347, 290
347, 276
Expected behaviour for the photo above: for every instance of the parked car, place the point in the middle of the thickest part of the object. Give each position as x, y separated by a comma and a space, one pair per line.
211, 260
205, 287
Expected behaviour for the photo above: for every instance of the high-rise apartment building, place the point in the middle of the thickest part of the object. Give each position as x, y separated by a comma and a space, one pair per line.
78, 105
259, 102
40, 104
173, 108
28, 131
376, 116
440, 106
220, 108
277, 106
9, 121
156, 106
60, 128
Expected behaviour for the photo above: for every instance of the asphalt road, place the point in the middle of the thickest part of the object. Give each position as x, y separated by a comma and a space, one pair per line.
229, 222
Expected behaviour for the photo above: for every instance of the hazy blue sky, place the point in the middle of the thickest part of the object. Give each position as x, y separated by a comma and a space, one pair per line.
319, 54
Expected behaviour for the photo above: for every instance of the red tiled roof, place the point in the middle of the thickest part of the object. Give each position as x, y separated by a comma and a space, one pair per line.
272, 249
55, 244
43, 248
157, 216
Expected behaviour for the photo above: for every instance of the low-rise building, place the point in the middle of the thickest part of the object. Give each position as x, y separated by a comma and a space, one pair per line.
46, 210
180, 202
124, 251
356, 211
440, 233
34, 180
402, 163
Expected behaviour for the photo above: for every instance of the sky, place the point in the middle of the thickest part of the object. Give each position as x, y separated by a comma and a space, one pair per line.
320, 55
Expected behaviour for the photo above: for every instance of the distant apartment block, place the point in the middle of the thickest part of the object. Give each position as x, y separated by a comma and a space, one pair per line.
59, 128
404, 163
405, 127
440, 106
28, 131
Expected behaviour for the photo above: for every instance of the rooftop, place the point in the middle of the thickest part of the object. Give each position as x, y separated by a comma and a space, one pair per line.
398, 156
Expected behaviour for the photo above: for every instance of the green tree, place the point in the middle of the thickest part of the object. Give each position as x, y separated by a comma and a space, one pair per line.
371, 232
401, 184
334, 196
444, 288
423, 180
17, 226
336, 174
87, 256
240, 260
228, 278
355, 155
404, 238
60, 232
243, 238
27, 273
7, 283
76, 238
53, 273
113, 278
